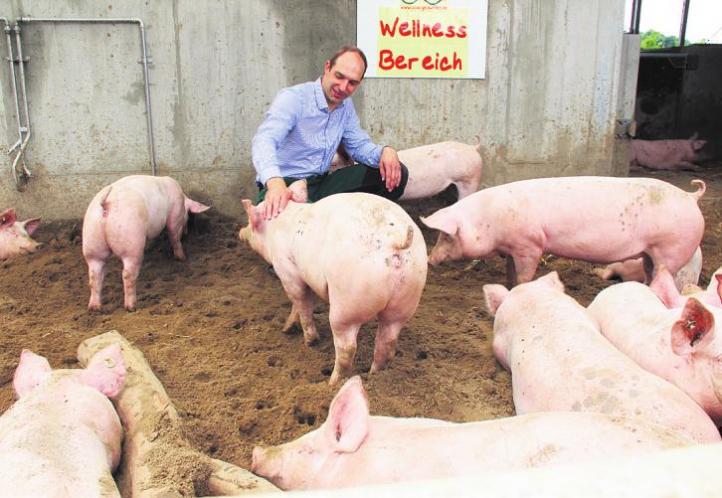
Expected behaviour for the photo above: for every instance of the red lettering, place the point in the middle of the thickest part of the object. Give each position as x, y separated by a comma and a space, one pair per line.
427, 64
443, 64
437, 30
386, 60
450, 31
386, 30
404, 29
461, 32
389, 61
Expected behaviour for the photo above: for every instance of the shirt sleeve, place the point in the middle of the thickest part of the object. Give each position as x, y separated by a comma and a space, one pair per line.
280, 120
357, 142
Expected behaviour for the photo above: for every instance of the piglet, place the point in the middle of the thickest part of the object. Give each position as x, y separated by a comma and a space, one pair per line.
352, 448
359, 252
633, 270
62, 437
666, 154
15, 235
559, 360
122, 218
432, 168
680, 344
596, 219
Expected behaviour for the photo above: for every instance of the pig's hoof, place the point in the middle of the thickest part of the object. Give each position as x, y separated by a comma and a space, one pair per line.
291, 329
310, 341
130, 308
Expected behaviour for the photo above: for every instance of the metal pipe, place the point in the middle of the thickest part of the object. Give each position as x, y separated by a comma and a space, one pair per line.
20, 157
636, 16
683, 24
145, 60
13, 81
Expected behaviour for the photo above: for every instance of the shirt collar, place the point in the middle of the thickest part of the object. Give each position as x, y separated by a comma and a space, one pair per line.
321, 101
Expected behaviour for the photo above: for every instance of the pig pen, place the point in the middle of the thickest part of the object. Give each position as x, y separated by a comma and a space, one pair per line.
210, 328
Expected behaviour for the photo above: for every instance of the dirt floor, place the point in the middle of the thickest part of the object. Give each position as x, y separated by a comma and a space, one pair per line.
211, 330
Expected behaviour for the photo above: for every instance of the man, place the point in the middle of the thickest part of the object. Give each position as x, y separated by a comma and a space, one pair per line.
302, 130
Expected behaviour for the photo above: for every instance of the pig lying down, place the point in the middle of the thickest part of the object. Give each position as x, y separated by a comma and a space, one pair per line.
352, 448
15, 235
596, 219
559, 360
361, 253
680, 344
666, 154
432, 168
122, 218
633, 270
62, 437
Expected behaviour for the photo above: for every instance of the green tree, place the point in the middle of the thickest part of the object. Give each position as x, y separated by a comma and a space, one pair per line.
654, 39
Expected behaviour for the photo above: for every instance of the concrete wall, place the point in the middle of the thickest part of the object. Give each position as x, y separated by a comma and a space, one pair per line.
547, 107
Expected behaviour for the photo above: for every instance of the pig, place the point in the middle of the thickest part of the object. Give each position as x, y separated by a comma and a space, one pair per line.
560, 361
680, 344
663, 286
432, 168
361, 253
15, 236
596, 219
352, 448
122, 218
62, 436
666, 154
633, 269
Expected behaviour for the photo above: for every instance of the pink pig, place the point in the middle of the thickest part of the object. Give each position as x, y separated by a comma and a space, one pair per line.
597, 219
663, 286
666, 154
633, 269
62, 437
361, 253
352, 448
434, 167
559, 360
122, 218
15, 235
680, 345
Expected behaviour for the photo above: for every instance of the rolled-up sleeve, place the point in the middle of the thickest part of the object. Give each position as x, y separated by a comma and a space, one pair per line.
280, 120
357, 142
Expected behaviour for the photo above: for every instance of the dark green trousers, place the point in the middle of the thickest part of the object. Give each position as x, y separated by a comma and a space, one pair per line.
356, 178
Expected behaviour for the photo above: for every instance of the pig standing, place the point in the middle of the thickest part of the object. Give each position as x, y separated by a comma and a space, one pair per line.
432, 168
664, 287
680, 345
122, 218
359, 252
666, 154
62, 437
597, 219
15, 235
559, 360
633, 270
352, 448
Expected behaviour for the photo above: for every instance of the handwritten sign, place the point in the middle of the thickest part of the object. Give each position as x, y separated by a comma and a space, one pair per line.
423, 38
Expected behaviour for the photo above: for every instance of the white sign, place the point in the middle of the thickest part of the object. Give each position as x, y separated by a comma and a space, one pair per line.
423, 38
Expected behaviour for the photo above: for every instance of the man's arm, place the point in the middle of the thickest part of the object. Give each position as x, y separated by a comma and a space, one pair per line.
360, 147
280, 120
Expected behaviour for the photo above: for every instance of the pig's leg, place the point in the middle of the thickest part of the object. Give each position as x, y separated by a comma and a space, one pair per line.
466, 188
510, 272
175, 227
131, 269
96, 274
525, 266
302, 300
387, 337
687, 165
344, 342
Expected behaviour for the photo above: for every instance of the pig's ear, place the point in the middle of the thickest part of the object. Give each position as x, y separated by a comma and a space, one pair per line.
195, 206
32, 371
438, 221
694, 136
254, 217
494, 295
348, 417
7, 218
299, 191
105, 371
31, 225
552, 280
694, 329
699, 144
664, 287
718, 278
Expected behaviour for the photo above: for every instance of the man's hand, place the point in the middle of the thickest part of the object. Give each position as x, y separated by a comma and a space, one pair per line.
277, 196
390, 168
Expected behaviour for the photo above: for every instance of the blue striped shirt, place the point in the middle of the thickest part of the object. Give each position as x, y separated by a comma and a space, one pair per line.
300, 135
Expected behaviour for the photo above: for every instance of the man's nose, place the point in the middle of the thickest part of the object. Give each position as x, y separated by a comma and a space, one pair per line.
343, 86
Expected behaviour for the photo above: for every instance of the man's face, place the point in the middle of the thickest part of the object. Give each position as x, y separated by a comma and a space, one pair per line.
341, 80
